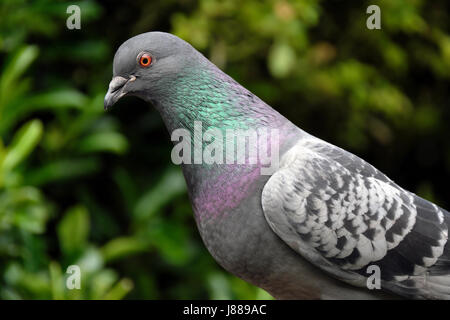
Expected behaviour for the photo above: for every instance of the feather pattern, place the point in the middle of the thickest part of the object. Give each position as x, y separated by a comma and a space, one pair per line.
343, 215
336, 211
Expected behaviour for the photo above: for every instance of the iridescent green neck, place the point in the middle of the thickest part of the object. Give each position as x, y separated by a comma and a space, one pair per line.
206, 94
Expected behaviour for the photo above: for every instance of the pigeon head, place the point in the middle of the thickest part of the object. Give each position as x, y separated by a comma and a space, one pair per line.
183, 85
146, 64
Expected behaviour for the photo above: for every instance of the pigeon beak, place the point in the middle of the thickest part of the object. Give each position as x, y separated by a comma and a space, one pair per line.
116, 90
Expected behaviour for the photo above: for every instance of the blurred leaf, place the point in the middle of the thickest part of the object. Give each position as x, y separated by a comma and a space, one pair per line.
9, 294
104, 141
90, 262
101, 283
36, 283
62, 169
170, 185
73, 231
55, 99
219, 286
23, 207
57, 281
263, 295
123, 247
14, 69
120, 290
59, 98
281, 59
23, 143
171, 242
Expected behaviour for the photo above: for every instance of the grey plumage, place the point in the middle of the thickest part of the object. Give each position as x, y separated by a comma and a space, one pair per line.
343, 215
312, 228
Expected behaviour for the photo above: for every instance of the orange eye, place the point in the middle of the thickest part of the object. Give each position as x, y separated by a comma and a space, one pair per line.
145, 60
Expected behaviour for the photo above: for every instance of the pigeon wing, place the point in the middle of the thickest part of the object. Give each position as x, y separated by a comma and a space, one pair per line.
343, 215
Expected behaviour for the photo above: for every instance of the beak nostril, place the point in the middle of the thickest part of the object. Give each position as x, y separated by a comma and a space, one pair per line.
117, 83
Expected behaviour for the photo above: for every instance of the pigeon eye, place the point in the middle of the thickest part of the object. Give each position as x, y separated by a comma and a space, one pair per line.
145, 60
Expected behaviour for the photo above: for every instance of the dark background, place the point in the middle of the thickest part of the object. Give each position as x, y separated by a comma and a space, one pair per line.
82, 186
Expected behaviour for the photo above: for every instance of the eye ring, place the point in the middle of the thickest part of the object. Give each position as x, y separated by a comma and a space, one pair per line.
145, 59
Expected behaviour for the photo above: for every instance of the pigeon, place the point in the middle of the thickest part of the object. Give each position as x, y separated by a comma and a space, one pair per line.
324, 224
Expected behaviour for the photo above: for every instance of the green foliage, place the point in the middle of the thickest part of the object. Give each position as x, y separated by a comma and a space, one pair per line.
95, 189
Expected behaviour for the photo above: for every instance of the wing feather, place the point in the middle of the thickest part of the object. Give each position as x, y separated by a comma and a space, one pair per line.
343, 215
